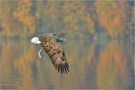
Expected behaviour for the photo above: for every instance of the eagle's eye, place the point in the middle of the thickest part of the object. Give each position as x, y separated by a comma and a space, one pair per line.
46, 39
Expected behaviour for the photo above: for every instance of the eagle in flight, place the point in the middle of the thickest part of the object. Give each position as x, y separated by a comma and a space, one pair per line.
50, 44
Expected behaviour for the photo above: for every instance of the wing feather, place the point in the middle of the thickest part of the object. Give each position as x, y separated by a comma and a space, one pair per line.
57, 56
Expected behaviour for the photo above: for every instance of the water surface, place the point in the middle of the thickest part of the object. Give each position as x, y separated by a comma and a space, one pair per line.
93, 65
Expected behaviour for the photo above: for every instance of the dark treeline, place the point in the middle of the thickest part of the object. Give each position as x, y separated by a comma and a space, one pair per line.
24, 18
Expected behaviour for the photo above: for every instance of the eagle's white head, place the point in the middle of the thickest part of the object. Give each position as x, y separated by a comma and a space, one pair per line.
35, 40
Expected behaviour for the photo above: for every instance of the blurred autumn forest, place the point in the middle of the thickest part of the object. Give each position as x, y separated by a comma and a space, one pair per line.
79, 19
102, 64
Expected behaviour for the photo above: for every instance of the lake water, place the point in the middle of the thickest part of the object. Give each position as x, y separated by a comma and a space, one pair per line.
93, 65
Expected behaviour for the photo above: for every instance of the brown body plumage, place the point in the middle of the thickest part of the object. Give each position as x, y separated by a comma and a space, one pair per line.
50, 45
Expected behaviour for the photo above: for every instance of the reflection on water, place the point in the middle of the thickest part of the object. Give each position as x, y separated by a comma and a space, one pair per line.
100, 65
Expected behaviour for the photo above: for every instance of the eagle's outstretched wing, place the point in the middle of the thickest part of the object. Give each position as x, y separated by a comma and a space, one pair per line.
57, 56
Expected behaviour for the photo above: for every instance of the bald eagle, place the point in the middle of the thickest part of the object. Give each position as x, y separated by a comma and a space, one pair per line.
50, 44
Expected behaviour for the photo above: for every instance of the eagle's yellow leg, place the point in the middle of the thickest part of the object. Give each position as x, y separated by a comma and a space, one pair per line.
39, 53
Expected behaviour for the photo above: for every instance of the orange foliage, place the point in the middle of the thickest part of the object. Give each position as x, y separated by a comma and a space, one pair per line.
112, 16
77, 19
23, 15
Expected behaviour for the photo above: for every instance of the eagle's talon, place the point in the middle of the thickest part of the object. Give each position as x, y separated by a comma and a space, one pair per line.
39, 53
